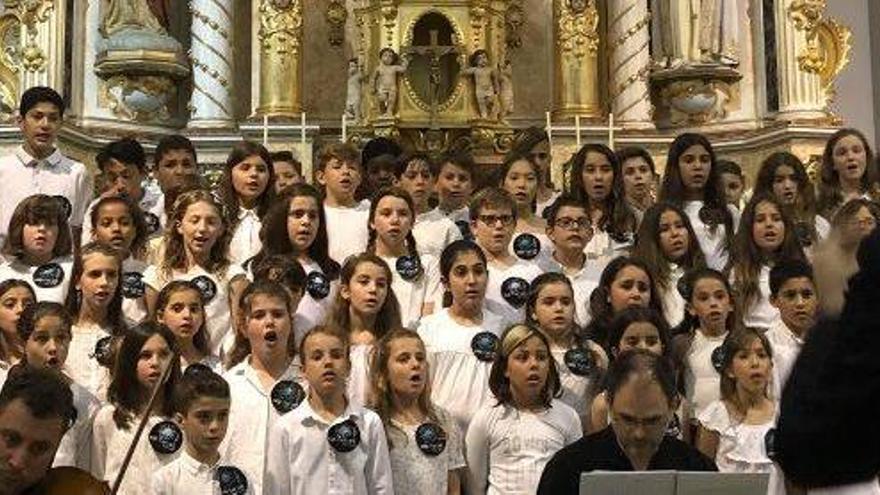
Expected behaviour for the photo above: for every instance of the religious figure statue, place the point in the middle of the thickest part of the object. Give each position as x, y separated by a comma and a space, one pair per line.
485, 83
685, 32
385, 80
505, 91
718, 32
353, 96
130, 14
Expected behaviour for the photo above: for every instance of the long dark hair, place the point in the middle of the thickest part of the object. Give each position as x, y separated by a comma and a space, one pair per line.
388, 317
240, 152
125, 391
32, 211
448, 257
200, 338
830, 196
276, 239
672, 189
804, 210
575, 335
241, 347
137, 220
617, 217
115, 323
647, 247
394, 192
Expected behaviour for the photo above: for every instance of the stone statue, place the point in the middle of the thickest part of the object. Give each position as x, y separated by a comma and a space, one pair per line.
718, 32
385, 80
505, 91
353, 96
485, 83
130, 14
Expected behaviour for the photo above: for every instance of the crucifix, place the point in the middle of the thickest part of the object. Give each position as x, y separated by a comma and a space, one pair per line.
433, 52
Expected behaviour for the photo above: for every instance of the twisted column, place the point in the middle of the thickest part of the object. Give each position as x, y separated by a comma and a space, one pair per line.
211, 56
630, 60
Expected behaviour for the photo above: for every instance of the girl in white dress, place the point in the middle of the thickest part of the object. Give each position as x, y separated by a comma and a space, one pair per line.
520, 177
296, 226
597, 181
247, 194
848, 172
424, 442
38, 247
415, 276
196, 243
118, 223
15, 295
462, 338
509, 442
579, 361
691, 182
179, 307
666, 242
95, 303
733, 429
765, 237
695, 353
145, 353
783, 175
365, 310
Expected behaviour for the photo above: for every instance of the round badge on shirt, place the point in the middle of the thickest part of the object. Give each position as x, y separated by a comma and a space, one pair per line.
484, 346
409, 267
317, 285
804, 236
465, 229
64, 203
431, 439
515, 291
152, 222
770, 443
103, 352
231, 480
133, 286
287, 395
711, 216
49, 275
526, 246
166, 437
345, 436
718, 356
579, 361
206, 287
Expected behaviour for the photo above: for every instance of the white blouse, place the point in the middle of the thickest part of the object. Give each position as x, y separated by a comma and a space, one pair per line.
786, 348
75, 447
507, 448
577, 390
187, 476
300, 460
459, 381
760, 313
711, 242
217, 309
358, 389
347, 230
416, 473
48, 282
741, 446
245, 241
312, 312
673, 303
412, 295
433, 232
110, 445
251, 416
702, 383
526, 270
81, 364
134, 308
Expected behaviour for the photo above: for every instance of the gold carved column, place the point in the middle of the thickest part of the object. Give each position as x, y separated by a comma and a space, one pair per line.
280, 40
576, 67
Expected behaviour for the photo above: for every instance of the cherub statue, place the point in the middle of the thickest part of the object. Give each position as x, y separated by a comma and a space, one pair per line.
353, 97
505, 91
384, 82
485, 83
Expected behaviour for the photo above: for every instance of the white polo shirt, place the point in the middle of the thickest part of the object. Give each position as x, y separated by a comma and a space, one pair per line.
23, 175
187, 476
245, 242
347, 230
433, 231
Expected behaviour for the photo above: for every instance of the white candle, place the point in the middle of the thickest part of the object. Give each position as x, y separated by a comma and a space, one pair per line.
549, 128
577, 130
611, 130
344, 123
265, 130
302, 130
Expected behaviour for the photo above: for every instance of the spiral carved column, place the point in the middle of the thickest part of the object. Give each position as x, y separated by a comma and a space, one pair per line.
211, 55
630, 60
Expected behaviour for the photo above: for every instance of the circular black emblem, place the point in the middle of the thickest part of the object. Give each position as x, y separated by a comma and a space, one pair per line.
133, 286
465, 229
48, 275
409, 267
526, 246
153, 223
166, 437
770, 443
718, 356
431, 439
684, 288
103, 352
485, 346
286, 395
711, 216
804, 234
579, 361
344, 437
317, 285
515, 291
232, 481
206, 287
64, 203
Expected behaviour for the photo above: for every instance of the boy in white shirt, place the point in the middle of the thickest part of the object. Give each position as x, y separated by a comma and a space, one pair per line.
432, 230
38, 167
201, 403
454, 186
793, 293
339, 172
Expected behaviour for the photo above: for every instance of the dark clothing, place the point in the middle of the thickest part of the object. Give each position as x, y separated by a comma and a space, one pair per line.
828, 432
601, 452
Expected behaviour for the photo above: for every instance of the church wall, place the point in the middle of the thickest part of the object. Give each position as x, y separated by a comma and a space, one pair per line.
532, 63
856, 87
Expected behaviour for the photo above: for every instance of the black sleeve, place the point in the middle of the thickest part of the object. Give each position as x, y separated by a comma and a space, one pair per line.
559, 476
827, 432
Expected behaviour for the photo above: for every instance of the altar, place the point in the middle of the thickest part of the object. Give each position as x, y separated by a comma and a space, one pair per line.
434, 74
